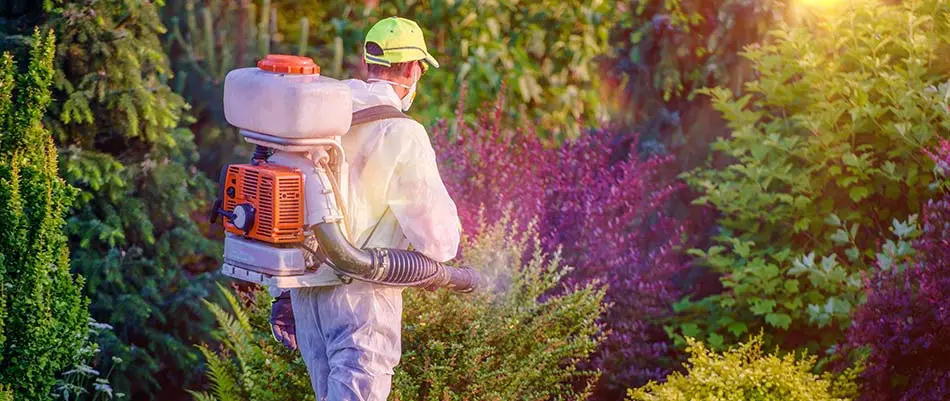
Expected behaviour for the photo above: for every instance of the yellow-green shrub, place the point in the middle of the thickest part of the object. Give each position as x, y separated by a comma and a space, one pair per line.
741, 374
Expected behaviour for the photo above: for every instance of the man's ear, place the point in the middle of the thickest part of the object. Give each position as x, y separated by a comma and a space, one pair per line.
415, 71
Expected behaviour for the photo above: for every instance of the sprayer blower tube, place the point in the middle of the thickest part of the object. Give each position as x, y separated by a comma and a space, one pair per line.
395, 267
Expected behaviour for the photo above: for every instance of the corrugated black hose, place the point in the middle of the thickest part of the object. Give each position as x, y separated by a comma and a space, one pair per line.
392, 267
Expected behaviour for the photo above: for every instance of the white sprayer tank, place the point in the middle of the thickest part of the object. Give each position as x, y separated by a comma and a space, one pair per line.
286, 105
286, 97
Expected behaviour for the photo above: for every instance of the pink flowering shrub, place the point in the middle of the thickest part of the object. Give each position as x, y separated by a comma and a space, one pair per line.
609, 218
905, 323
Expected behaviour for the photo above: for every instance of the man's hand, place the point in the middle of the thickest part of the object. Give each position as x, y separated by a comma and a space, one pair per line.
282, 323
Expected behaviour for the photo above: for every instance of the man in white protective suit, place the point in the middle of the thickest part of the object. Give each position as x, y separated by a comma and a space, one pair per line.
349, 335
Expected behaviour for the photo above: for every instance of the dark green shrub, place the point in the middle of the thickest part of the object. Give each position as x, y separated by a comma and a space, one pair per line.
509, 343
206, 39
117, 126
826, 148
742, 374
43, 314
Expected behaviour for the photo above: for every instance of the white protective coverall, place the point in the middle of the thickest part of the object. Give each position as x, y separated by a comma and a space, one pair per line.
350, 335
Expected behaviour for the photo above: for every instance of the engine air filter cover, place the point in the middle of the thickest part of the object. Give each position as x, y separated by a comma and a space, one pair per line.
267, 200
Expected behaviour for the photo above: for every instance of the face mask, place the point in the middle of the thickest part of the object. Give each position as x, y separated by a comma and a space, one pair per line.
406, 100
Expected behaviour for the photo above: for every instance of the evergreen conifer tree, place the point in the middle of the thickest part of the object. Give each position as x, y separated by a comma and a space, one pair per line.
121, 137
43, 314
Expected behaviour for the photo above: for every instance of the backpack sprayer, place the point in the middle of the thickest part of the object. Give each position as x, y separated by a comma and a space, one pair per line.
282, 217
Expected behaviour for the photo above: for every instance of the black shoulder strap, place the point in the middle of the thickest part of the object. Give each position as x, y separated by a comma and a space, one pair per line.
373, 231
376, 113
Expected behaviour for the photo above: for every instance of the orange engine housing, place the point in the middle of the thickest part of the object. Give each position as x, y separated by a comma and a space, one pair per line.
275, 192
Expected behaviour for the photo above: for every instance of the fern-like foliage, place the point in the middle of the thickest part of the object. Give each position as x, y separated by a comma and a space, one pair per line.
250, 364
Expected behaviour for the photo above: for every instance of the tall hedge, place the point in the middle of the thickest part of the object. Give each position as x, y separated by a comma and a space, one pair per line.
119, 130
43, 313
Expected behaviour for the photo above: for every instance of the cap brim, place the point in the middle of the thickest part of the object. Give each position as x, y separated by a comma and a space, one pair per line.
431, 60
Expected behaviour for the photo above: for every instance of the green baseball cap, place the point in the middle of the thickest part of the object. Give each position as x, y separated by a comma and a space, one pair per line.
401, 41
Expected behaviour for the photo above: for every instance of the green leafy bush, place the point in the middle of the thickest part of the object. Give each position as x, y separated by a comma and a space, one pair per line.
510, 342
546, 50
826, 148
743, 374
43, 314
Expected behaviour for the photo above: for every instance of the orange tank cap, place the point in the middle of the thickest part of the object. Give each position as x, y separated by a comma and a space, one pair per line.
286, 64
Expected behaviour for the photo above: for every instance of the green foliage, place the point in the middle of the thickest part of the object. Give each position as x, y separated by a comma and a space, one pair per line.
547, 51
500, 345
664, 50
826, 155
42, 311
510, 344
218, 36
82, 381
206, 40
116, 123
706, 34
742, 374
251, 365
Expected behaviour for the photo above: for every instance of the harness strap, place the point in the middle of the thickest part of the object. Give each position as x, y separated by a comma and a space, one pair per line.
377, 113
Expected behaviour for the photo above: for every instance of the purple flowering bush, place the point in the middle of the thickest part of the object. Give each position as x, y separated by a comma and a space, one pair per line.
905, 323
609, 218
